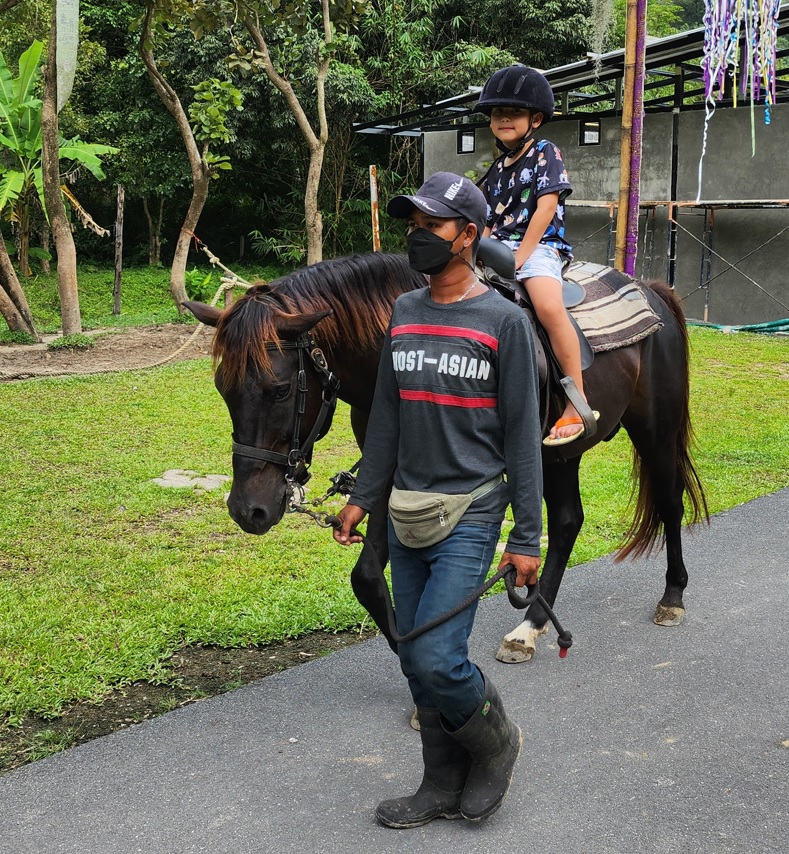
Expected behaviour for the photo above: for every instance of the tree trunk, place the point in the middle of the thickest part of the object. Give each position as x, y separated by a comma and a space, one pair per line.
12, 317
154, 233
315, 142
23, 255
43, 238
312, 211
181, 256
13, 303
201, 174
53, 198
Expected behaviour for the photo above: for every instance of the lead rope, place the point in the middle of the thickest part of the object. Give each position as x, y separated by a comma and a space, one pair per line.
508, 573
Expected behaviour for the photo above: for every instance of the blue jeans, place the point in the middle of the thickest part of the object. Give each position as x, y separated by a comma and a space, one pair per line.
426, 583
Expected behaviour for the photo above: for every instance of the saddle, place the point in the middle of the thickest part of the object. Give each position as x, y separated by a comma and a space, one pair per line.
497, 270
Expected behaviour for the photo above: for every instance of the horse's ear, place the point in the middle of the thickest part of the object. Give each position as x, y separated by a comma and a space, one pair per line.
207, 314
291, 327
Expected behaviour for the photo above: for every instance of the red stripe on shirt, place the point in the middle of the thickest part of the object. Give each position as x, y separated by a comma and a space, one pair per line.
449, 399
446, 332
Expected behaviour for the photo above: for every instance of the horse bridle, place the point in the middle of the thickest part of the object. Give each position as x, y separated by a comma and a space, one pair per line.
296, 461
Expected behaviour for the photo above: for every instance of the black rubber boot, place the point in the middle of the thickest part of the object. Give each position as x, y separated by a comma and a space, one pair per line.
446, 768
494, 743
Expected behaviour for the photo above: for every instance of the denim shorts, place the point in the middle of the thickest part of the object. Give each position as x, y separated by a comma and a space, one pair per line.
544, 261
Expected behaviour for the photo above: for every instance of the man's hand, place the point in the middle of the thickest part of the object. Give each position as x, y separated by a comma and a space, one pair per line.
350, 516
526, 567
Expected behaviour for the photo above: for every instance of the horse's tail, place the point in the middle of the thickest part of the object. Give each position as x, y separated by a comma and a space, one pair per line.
646, 531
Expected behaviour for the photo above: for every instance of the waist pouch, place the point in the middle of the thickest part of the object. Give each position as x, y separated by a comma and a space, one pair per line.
422, 519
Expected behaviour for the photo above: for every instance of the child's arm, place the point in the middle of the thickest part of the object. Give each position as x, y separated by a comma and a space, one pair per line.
538, 225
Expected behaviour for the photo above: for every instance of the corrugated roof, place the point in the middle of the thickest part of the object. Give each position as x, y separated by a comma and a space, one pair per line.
668, 60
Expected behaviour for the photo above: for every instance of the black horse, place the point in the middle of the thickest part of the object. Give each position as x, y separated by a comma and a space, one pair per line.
266, 342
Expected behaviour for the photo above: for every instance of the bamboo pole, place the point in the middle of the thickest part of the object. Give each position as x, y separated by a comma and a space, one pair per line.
631, 30
374, 209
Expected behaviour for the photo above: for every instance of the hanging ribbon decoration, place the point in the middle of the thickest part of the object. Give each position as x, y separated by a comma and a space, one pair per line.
727, 23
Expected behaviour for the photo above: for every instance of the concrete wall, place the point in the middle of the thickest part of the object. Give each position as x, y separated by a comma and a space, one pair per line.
729, 173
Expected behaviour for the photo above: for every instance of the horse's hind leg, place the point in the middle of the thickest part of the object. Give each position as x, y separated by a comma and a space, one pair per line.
660, 500
565, 518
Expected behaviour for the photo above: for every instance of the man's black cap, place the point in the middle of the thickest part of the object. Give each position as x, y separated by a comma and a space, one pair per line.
445, 195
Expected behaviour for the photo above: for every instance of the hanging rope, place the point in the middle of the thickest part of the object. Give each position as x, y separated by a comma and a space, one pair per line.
726, 23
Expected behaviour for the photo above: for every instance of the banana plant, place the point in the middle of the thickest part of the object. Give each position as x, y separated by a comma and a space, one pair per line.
21, 178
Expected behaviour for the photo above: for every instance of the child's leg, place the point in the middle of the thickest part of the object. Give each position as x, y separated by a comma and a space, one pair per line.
546, 296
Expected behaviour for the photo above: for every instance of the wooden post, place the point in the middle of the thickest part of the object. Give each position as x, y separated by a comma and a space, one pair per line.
631, 28
636, 132
374, 209
116, 290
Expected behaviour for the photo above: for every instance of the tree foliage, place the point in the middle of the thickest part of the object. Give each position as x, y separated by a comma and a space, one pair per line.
375, 58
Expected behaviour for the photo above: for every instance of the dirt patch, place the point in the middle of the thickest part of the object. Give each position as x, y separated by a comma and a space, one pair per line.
195, 673
112, 350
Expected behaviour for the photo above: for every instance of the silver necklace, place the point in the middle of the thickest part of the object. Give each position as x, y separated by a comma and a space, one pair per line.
461, 298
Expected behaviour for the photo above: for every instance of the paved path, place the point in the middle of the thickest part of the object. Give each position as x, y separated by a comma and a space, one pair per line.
644, 739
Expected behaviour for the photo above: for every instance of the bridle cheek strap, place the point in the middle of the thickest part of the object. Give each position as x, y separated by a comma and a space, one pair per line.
299, 453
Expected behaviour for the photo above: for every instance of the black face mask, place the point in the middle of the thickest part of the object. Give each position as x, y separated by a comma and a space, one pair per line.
429, 253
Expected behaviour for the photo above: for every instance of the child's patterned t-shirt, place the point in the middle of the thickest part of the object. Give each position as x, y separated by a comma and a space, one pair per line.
512, 192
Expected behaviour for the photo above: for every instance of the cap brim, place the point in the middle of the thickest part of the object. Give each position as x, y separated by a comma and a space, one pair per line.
400, 207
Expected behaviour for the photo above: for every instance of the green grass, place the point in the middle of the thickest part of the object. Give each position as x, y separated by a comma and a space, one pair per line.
104, 574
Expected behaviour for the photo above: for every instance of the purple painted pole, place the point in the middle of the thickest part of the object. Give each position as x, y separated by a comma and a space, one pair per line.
636, 132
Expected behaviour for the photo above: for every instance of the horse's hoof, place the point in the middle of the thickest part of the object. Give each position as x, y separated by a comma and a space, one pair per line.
415, 721
519, 645
665, 616
515, 651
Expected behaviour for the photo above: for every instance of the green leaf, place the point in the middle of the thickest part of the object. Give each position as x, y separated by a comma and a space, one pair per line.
87, 154
29, 71
11, 185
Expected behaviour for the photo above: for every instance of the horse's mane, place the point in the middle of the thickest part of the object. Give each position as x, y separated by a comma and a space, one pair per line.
359, 290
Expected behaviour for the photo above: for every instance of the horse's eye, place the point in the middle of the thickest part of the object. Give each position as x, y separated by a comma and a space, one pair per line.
280, 391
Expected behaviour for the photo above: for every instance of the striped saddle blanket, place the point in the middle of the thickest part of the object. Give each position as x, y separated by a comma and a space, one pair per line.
615, 312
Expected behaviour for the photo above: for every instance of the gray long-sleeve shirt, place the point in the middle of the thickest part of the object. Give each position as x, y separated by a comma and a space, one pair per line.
456, 404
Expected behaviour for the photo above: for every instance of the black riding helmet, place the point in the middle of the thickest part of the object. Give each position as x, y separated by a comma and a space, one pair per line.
517, 86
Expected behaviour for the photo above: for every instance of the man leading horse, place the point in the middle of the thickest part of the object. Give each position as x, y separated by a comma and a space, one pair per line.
456, 406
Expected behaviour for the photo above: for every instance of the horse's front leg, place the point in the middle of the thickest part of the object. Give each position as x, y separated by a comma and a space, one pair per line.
367, 578
565, 518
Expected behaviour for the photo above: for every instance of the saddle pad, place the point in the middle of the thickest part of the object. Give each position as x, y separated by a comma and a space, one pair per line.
615, 312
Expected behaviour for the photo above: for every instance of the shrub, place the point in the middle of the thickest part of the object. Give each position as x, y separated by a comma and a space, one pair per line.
199, 286
16, 337
71, 342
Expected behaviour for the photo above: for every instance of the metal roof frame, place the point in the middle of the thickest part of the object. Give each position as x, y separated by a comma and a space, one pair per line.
670, 59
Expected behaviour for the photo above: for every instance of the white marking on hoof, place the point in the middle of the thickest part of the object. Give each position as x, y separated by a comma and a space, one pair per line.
668, 616
519, 645
414, 722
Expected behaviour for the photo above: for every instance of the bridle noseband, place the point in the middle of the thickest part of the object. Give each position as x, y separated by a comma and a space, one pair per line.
296, 461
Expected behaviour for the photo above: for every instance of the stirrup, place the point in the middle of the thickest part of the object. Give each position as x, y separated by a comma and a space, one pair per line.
582, 407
